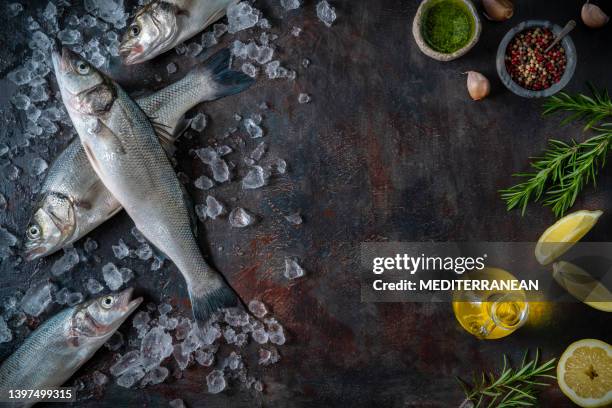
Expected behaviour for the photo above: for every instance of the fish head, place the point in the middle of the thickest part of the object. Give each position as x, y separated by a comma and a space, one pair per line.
100, 317
51, 226
151, 33
84, 89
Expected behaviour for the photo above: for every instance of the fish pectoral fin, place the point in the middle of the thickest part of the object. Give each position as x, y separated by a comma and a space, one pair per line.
110, 139
165, 138
90, 156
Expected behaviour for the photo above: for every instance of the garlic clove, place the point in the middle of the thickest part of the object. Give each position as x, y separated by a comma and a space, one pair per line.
498, 10
478, 85
593, 16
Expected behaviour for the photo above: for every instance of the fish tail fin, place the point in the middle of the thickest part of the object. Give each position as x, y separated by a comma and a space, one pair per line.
210, 299
225, 82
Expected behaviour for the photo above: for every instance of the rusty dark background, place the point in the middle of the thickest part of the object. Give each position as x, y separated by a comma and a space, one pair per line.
390, 148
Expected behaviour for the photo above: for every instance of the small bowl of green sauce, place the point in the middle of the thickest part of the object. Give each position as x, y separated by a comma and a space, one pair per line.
446, 29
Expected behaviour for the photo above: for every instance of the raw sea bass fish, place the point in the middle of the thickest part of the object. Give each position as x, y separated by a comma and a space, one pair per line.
125, 152
62, 344
161, 25
73, 201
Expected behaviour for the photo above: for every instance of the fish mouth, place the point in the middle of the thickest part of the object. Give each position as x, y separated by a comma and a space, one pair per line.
131, 54
127, 304
33, 253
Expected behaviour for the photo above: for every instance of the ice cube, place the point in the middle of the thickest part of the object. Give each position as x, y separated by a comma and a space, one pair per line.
37, 298
3, 202
296, 31
156, 346
293, 270
13, 9
252, 128
33, 113
234, 361
20, 76
88, 21
7, 240
166, 322
40, 41
128, 361
126, 274
144, 251
115, 342
198, 123
99, 378
50, 12
61, 296
259, 151
239, 49
240, 218
121, 250
97, 59
141, 321
110, 11
255, 178
326, 13
177, 403
260, 335
182, 329
230, 335
258, 308
276, 333
241, 16
68, 261
5, 333
181, 356
220, 170
157, 375
280, 166
258, 386
213, 207
69, 36
219, 29
93, 286
209, 39
215, 381
112, 276
250, 69
164, 308
90, 245
130, 377
171, 68
12, 173
194, 49
72, 20
203, 183
303, 98
138, 235
290, 4
74, 298
204, 358
157, 263
21, 101
268, 356
295, 218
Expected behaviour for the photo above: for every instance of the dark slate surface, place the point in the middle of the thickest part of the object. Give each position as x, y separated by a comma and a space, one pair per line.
390, 148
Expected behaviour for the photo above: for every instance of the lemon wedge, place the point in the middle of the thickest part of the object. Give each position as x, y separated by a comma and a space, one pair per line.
581, 285
584, 373
563, 234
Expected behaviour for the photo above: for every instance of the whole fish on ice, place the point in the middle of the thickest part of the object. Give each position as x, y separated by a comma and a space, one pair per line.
163, 24
73, 201
61, 345
123, 148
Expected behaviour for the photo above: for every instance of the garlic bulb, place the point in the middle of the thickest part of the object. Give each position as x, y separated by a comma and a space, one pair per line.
593, 16
478, 85
498, 10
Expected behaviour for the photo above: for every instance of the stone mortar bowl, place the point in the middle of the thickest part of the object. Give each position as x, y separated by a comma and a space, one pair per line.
566, 43
430, 52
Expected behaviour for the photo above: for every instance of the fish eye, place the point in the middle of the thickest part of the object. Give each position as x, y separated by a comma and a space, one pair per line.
82, 68
33, 232
134, 30
107, 302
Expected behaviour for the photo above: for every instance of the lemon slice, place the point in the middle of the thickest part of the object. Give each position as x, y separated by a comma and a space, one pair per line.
581, 285
563, 234
584, 373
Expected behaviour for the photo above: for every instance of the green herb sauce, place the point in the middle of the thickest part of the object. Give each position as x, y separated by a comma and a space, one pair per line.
448, 26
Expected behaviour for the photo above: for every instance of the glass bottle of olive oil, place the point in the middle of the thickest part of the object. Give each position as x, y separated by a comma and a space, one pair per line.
490, 314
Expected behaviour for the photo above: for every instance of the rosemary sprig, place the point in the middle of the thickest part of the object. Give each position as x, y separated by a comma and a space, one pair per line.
566, 168
590, 109
563, 170
512, 388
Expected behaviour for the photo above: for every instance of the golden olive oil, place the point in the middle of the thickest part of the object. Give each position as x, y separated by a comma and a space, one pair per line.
490, 314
